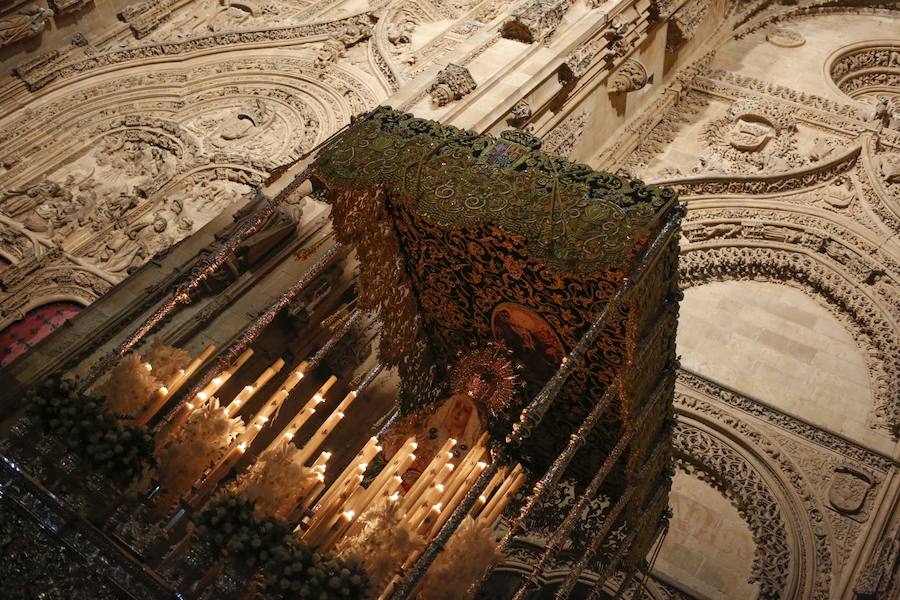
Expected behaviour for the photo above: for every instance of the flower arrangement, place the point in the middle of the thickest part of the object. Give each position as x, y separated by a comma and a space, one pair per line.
466, 558
290, 568
185, 455
129, 387
382, 544
166, 360
277, 480
87, 430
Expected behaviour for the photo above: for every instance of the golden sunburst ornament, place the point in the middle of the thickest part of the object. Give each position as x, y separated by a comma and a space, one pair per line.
490, 376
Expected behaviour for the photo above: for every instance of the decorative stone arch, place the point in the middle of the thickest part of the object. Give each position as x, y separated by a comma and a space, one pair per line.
872, 329
793, 559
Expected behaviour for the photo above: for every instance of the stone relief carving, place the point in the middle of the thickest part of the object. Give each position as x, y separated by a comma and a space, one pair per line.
872, 332
700, 454
534, 21
451, 83
68, 6
25, 23
879, 579
752, 137
630, 77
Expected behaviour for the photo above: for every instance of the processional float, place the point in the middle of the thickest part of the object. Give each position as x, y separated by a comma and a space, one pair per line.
528, 305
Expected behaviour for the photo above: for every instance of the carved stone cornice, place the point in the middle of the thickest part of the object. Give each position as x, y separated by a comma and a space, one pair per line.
44, 74
870, 324
534, 21
68, 6
684, 22
797, 179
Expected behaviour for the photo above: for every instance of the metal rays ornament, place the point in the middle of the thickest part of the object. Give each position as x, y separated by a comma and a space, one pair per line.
490, 376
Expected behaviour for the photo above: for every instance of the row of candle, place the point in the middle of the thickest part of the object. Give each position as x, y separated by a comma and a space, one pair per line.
424, 508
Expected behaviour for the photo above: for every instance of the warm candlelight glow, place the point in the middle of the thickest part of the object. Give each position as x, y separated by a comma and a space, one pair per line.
202, 396
217, 381
163, 390
148, 366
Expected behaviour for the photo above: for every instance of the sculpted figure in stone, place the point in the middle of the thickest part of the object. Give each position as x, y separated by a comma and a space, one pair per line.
118, 251
17, 201
55, 218
26, 23
884, 114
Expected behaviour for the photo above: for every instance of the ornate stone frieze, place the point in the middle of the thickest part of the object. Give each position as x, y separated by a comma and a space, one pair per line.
25, 23
867, 71
753, 136
705, 456
879, 578
718, 460
564, 137
812, 108
451, 83
719, 183
630, 77
144, 17
845, 449
534, 21
97, 60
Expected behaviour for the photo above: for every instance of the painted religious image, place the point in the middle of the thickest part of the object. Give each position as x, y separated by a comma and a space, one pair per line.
532, 340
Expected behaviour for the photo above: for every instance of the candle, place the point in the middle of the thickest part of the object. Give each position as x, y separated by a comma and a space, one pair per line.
249, 391
307, 411
463, 469
429, 520
219, 380
364, 497
460, 491
485, 494
426, 478
501, 498
218, 472
357, 466
184, 374
306, 500
318, 438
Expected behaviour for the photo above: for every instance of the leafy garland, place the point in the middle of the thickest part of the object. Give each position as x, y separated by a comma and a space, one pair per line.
267, 545
89, 431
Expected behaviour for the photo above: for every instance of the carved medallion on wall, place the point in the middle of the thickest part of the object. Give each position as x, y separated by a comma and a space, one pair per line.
848, 491
785, 37
752, 137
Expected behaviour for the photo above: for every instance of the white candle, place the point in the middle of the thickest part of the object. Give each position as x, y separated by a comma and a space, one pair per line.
249, 391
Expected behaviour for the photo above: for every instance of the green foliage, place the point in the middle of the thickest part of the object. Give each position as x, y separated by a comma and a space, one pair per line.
82, 423
264, 544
